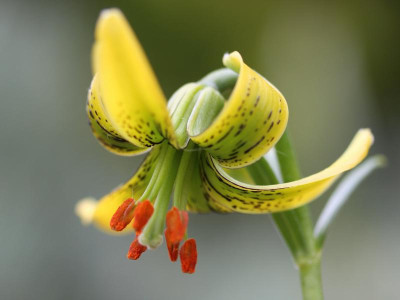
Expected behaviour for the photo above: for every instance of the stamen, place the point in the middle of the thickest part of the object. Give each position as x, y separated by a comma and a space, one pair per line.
142, 214
123, 216
173, 248
188, 255
152, 234
177, 222
136, 249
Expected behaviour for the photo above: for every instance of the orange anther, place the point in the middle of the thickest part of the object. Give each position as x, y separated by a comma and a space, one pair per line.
188, 256
177, 222
123, 216
173, 248
142, 214
136, 249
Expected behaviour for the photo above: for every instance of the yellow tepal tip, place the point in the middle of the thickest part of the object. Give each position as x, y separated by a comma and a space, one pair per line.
85, 209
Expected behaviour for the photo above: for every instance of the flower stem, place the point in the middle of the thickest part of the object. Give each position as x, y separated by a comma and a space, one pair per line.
295, 225
307, 256
310, 276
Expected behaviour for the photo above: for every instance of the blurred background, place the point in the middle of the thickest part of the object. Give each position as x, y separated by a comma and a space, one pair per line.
339, 59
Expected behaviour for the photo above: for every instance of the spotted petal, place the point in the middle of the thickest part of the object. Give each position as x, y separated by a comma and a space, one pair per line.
102, 129
229, 195
251, 122
193, 193
132, 98
101, 213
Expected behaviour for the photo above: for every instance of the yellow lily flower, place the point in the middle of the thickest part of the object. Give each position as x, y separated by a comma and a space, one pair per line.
194, 140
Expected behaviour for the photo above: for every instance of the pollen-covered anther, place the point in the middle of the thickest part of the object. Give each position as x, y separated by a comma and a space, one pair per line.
188, 255
173, 248
142, 214
123, 216
176, 221
136, 249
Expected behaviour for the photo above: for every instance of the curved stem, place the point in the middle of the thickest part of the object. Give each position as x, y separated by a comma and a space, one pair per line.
307, 257
295, 225
262, 174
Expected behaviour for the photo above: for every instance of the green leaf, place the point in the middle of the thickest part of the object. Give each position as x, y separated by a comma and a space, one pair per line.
342, 193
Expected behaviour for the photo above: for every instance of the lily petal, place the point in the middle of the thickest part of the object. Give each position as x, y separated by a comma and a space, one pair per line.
131, 95
193, 195
133, 188
229, 195
102, 128
251, 122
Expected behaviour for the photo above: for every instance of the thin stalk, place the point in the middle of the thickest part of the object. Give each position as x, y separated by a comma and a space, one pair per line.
307, 257
262, 174
294, 225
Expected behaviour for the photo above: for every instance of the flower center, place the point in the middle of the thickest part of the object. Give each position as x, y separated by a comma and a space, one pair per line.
193, 108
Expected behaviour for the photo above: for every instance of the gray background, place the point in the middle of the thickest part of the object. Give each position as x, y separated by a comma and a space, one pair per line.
337, 60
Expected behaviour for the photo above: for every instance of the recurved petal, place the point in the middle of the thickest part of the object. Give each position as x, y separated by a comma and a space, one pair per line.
131, 95
251, 122
229, 195
101, 213
193, 193
101, 127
